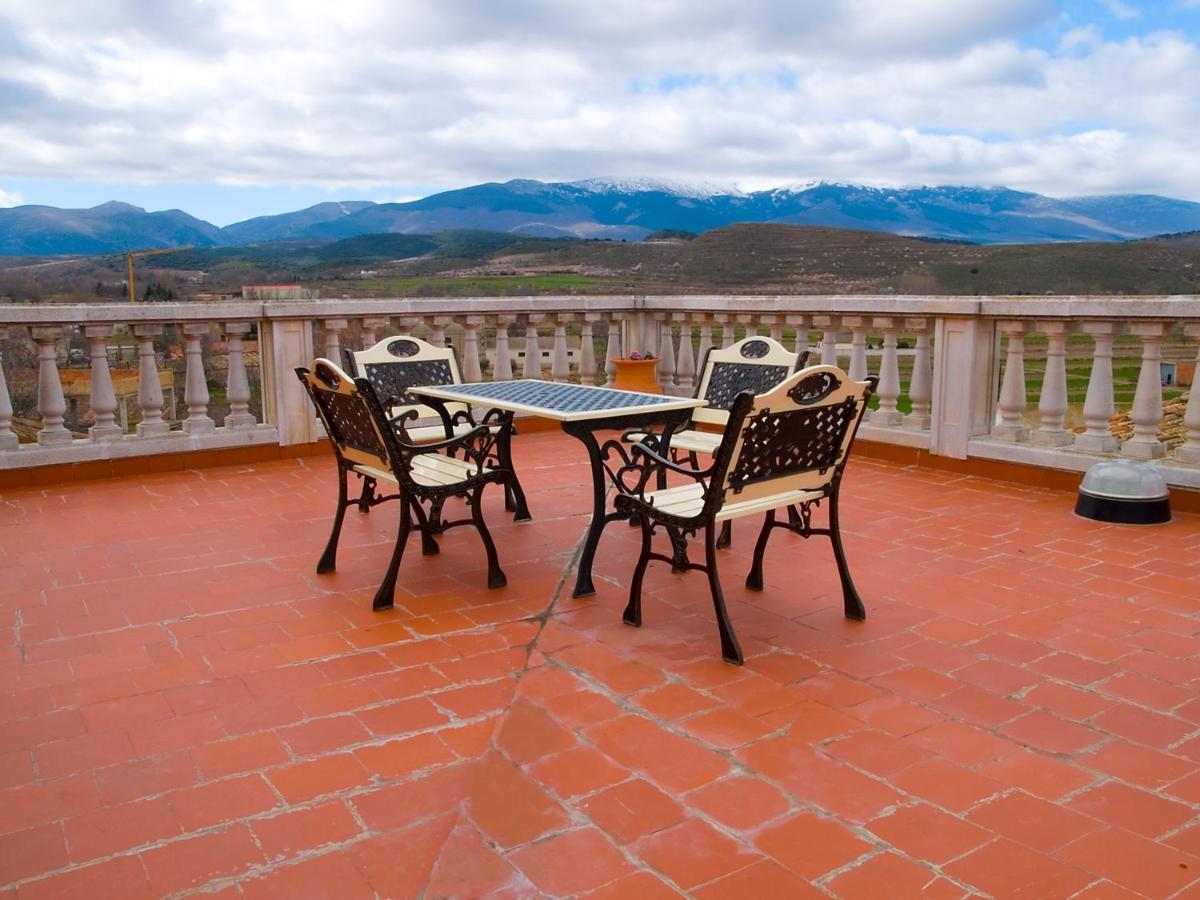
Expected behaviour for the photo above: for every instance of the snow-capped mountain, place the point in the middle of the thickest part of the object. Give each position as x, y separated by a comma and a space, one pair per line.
626, 209
700, 190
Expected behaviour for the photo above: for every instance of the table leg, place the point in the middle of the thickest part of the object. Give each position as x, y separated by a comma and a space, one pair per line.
504, 452
585, 432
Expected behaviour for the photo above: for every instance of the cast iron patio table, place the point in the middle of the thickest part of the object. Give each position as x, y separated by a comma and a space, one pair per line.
582, 410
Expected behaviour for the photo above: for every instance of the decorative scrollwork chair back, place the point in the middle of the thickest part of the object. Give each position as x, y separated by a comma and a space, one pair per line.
783, 449
367, 445
755, 364
357, 437
796, 436
396, 364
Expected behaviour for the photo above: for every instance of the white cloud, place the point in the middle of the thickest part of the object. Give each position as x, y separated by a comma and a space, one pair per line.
1121, 10
8, 198
366, 94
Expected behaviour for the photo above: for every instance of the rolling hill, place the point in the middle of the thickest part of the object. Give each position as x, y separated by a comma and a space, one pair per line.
746, 258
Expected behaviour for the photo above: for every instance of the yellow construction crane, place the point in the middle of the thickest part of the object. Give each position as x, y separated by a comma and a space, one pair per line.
130, 254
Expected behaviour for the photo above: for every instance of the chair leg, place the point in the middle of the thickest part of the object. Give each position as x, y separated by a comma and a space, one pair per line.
851, 602
514, 489
495, 574
726, 536
429, 546
385, 597
730, 649
633, 610
435, 515
367, 495
510, 502
328, 560
754, 580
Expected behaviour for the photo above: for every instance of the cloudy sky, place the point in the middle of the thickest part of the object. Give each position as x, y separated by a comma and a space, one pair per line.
235, 108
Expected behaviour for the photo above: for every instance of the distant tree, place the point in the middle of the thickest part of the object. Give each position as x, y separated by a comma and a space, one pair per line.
157, 293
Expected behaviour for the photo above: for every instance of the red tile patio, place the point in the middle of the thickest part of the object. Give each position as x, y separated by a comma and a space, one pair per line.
187, 707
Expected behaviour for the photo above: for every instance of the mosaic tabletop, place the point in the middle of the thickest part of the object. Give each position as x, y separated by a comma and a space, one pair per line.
566, 402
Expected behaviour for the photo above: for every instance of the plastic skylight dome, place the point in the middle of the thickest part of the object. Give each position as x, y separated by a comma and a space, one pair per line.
1122, 490
1126, 480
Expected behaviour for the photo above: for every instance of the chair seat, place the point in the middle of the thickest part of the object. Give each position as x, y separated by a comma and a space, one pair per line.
428, 470
687, 501
689, 441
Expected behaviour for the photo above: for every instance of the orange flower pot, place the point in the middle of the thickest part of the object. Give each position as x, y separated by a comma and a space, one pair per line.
636, 375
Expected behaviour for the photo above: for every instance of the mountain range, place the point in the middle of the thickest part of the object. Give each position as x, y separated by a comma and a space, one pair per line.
619, 210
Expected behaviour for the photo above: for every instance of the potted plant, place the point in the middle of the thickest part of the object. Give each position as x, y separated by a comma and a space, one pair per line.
637, 372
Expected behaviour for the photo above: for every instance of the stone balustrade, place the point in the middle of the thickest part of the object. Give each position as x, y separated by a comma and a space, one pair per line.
954, 372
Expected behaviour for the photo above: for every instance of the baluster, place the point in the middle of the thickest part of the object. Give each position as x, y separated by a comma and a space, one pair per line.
502, 370
666, 353
150, 395
333, 340
1188, 453
195, 392
410, 325
706, 342
747, 321
1052, 404
798, 322
560, 362
51, 402
1147, 410
727, 329
888, 415
587, 349
472, 372
1098, 407
613, 351
920, 387
104, 401
437, 334
685, 365
371, 326
858, 346
8, 440
238, 386
533, 351
829, 353
1012, 388
774, 326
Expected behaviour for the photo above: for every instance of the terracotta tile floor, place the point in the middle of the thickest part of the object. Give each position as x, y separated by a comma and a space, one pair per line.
187, 707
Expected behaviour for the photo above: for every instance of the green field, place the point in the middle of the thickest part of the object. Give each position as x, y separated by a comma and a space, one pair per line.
499, 286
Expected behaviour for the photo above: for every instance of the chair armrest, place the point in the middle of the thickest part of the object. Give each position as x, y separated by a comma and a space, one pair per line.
641, 463
462, 441
655, 459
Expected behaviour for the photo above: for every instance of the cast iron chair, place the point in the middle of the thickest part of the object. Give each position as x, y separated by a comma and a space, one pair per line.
755, 364
784, 449
371, 446
398, 363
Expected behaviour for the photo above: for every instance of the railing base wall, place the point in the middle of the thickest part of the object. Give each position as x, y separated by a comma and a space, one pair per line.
136, 466
1183, 500
83, 451
1177, 476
